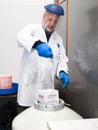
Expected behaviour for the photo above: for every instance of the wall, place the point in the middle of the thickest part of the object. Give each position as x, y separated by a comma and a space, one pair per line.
83, 57
15, 15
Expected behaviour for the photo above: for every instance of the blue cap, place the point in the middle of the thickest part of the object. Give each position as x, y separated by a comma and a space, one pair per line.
55, 8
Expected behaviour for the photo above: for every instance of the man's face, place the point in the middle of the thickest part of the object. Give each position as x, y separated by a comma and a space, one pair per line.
50, 21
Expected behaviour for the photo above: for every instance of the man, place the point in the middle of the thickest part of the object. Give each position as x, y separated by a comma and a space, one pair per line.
43, 57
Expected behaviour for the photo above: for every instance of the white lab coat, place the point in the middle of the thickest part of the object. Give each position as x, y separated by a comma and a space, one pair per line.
38, 72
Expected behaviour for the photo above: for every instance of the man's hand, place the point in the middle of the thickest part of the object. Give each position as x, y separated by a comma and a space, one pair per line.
64, 78
44, 50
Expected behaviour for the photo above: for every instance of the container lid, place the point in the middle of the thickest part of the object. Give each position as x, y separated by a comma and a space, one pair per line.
49, 107
10, 90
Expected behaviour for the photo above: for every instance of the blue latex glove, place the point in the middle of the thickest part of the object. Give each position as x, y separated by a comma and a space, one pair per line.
64, 78
44, 50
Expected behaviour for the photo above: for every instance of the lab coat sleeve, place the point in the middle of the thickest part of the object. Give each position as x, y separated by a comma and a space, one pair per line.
63, 61
26, 38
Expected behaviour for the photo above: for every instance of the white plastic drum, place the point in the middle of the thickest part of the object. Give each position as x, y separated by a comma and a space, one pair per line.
36, 118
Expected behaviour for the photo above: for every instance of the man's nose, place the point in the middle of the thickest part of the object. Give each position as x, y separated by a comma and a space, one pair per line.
52, 22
